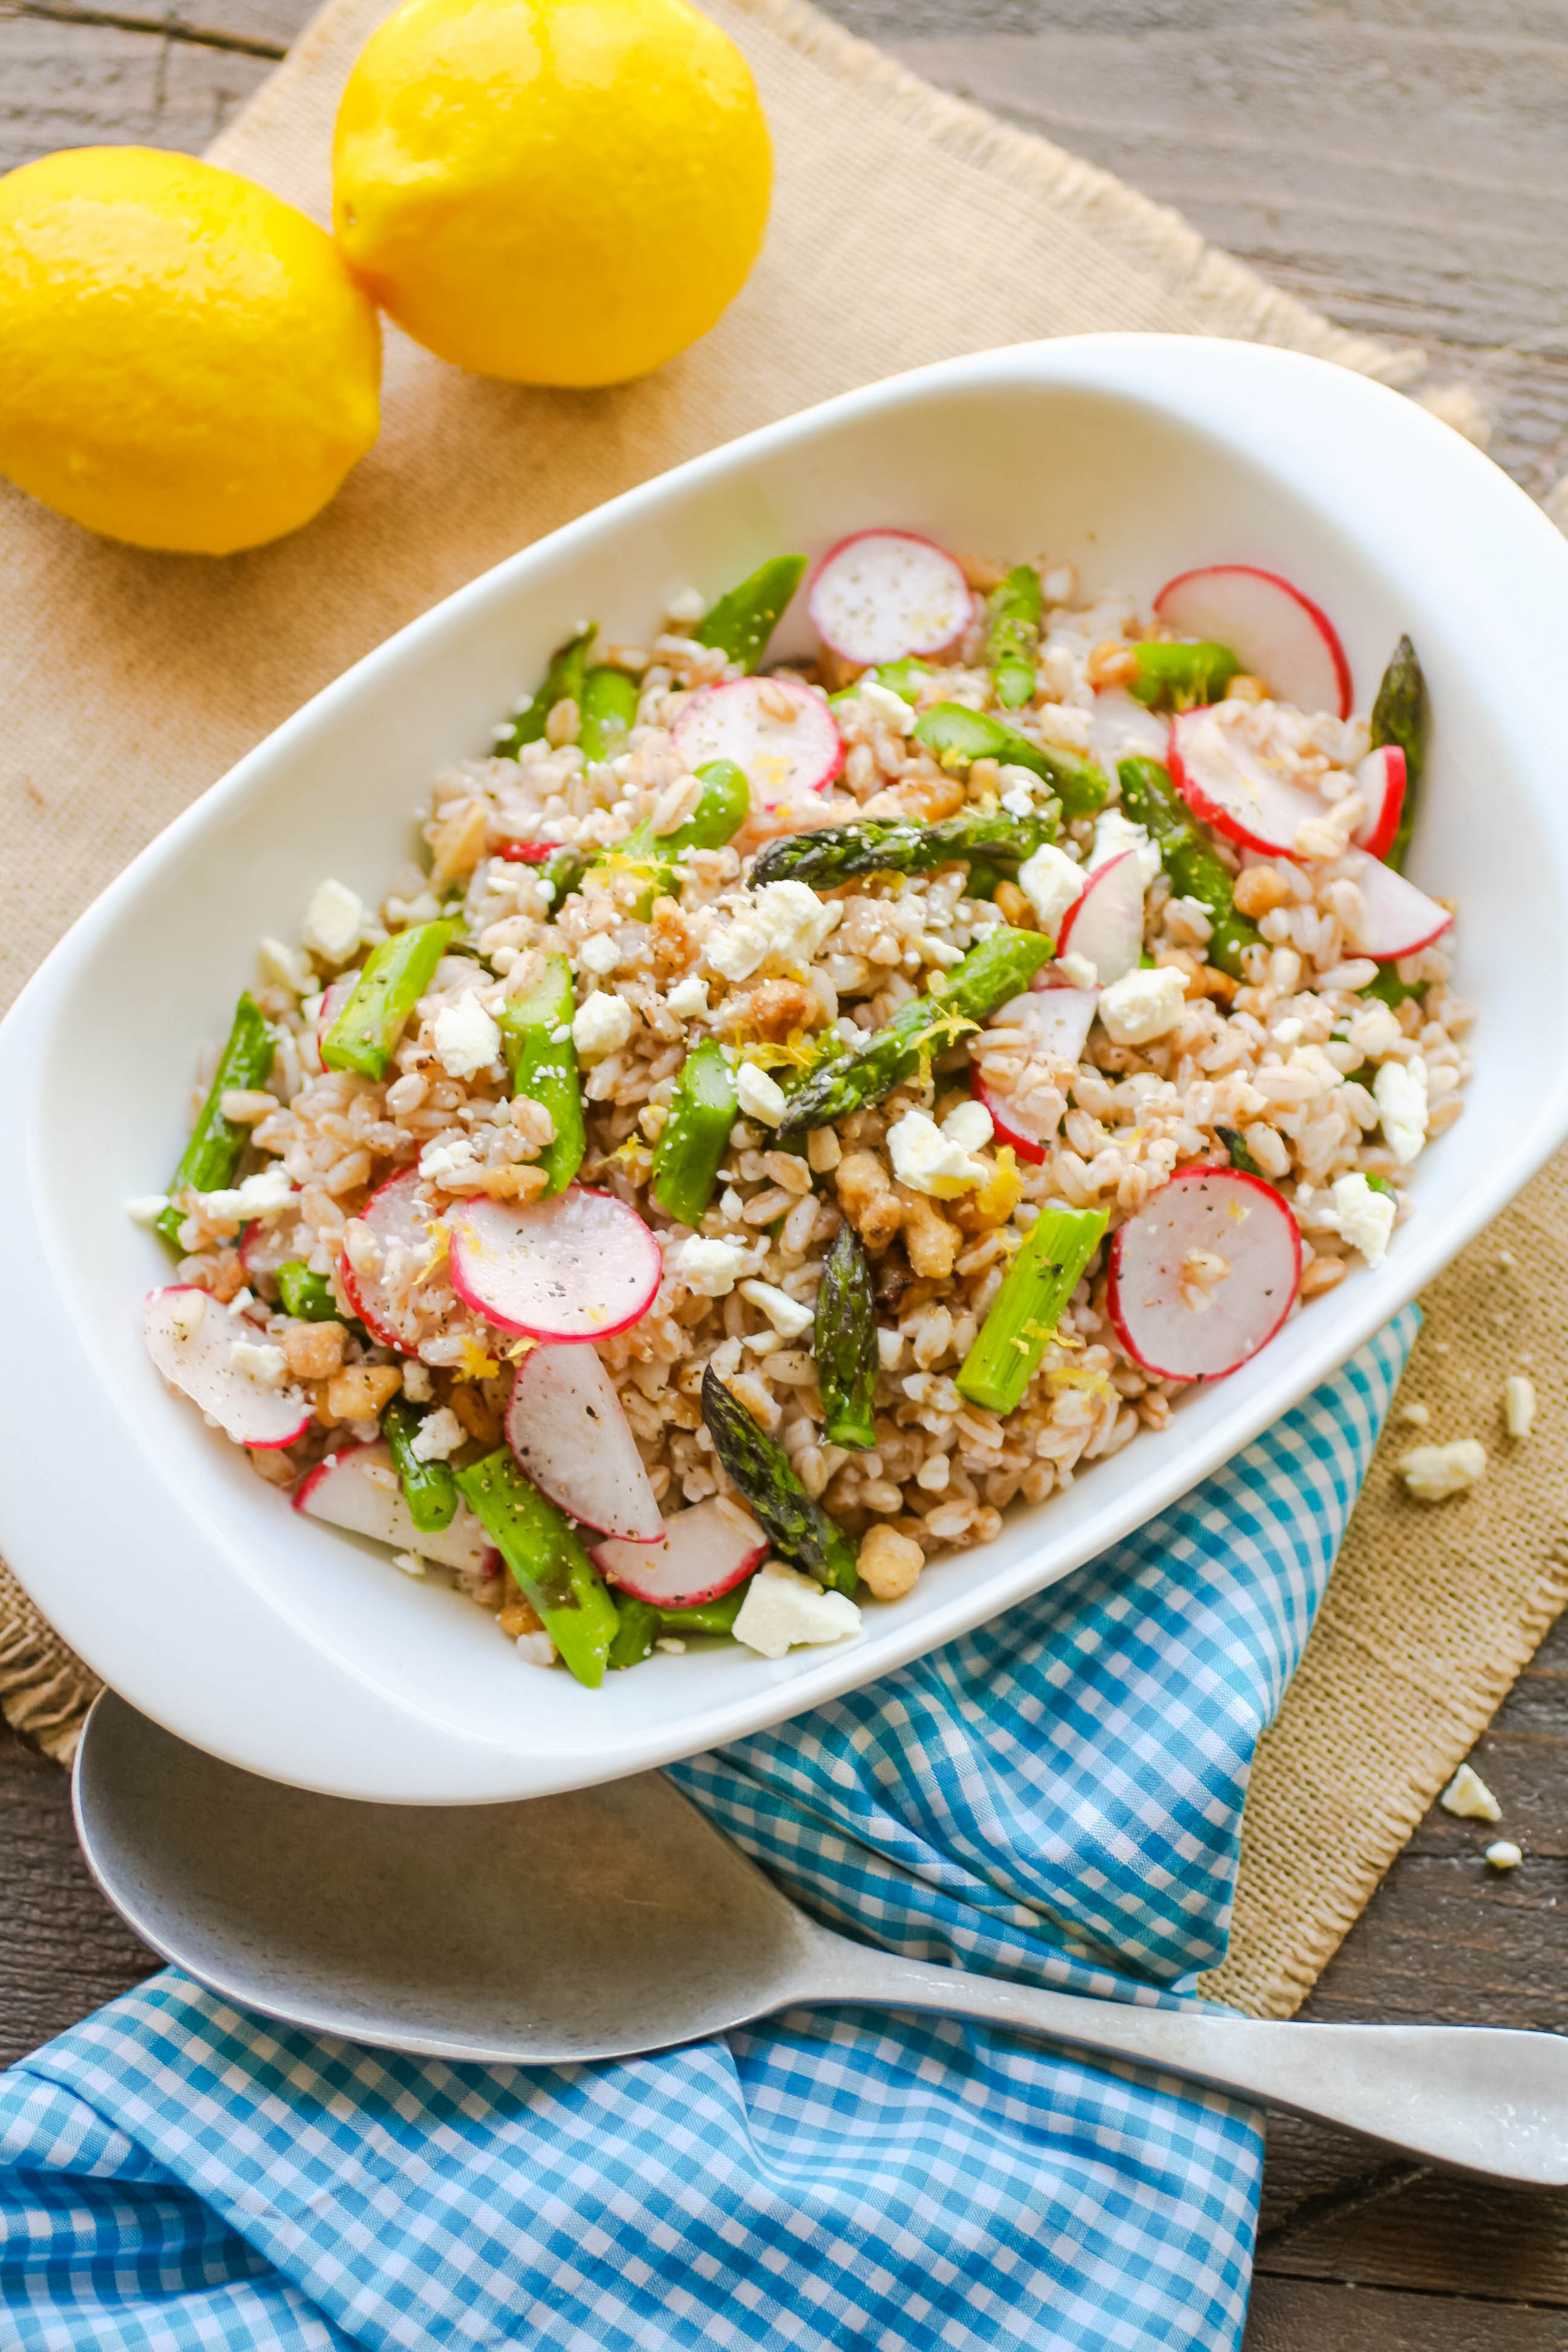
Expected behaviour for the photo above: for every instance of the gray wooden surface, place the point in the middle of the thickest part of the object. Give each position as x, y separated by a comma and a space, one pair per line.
1404, 164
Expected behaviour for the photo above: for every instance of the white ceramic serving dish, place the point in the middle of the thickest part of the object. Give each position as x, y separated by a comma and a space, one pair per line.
299, 1653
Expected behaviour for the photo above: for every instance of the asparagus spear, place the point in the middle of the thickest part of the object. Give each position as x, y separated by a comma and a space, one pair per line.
1028, 1306
562, 683
839, 852
997, 967
1399, 715
719, 815
642, 1624
211, 1157
846, 1342
1013, 636
1178, 677
608, 712
741, 623
959, 737
563, 873
310, 1298
904, 677
795, 1525
543, 1066
1196, 870
1239, 1153
430, 1488
544, 1553
363, 1038
695, 1135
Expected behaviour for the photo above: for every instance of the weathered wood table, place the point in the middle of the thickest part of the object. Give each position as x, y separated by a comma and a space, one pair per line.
1404, 164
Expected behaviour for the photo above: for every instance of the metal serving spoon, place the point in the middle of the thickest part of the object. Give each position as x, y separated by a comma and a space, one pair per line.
618, 1919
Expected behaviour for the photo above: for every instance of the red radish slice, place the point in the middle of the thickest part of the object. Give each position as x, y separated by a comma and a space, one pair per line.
1106, 924
524, 852
782, 759
1058, 1022
1121, 728
357, 1487
703, 1552
331, 1004
884, 593
1274, 632
1015, 1123
567, 1432
1399, 918
580, 1268
269, 1242
1380, 780
195, 1354
397, 1214
1165, 1316
1230, 786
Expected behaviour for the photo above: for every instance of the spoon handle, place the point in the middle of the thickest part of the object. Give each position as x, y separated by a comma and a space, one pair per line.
1486, 2099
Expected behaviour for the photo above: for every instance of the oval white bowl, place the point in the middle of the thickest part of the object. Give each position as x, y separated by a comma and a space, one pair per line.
297, 1652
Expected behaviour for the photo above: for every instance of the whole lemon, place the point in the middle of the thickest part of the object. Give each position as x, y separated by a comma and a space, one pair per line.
185, 360
562, 191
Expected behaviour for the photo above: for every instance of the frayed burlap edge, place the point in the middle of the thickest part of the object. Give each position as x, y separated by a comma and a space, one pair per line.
45, 1689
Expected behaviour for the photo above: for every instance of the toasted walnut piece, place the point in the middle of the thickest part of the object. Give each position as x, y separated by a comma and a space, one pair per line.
1209, 980
479, 1418
779, 1006
1013, 907
982, 575
228, 1276
932, 1244
1112, 664
1259, 891
867, 1197
671, 943
518, 1616
457, 838
313, 1351
889, 1563
1244, 687
270, 1462
513, 1181
359, 1394
930, 798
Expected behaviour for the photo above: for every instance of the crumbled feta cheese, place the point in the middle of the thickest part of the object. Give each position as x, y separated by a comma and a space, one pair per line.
1373, 1029
187, 1310
147, 1208
286, 967
787, 1316
438, 1434
1503, 1854
1519, 1404
333, 921
1142, 1006
409, 1562
536, 1649
1114, 833
1468, 1795
467, 1039
601, 1025
1052, 882
1018, 801
709, 1268
444, 1162
416, 1384
687, 607
1288, 1033
782, 1608
929, 1162
1400, 1088
265, 1194
672, 1646
1077, 971
786, 920
890, 708
759, 1096
259, 1360
1360, 1216
688, 998
599, 954
968, 1124
1433, 1473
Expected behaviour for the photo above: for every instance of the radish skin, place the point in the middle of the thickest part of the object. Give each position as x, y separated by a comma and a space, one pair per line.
1399, 920
880, 595
390, 1214
357, 1489
781, 758
701, 1553
1381, 779
580, 1267
1226, 782
1274, 632
1170, 1320
200, 1365
1105, 923
568, 1434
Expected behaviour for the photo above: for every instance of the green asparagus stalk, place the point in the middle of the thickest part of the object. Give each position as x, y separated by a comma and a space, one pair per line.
846, 1342
904, 677
562, 683
696, 1134
998, 967
795, 1525
563, 872
210, 1159
1399, 715
1196, 870
642, 1624
719, 815
608, 713
1390, 990
543, 1066
430, 1488
1238, 1152
958, 737
839, 852
363, 1038
1178, 677
741, 623
544, 1554
1013, 636
310, 1298
1028, 1306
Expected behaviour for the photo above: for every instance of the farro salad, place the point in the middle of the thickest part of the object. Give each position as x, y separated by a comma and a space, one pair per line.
793, 1111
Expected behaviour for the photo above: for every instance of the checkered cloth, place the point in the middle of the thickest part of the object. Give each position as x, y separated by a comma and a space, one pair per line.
1055, 1799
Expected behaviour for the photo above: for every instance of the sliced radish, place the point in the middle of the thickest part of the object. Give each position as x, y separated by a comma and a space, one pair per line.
357, 1487
782, 759
398, 1215
194, 1350
1017, 1124
567, 1432
702, 1552
1058, 1022
582, 1266
269, 1242
1121, 728
1171, 1315
1106, 924
524, 852
1232, 787
1274, 632
1399, 918
331, 1004
1380, 780
884, 594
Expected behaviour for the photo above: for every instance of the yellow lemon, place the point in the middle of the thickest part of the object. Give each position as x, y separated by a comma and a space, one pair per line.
562, 191
185, 362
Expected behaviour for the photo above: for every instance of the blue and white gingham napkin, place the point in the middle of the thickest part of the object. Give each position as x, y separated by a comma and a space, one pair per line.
1056, 1799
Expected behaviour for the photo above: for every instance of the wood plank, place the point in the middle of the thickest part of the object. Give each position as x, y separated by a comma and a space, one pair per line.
74, 85
1308, 2316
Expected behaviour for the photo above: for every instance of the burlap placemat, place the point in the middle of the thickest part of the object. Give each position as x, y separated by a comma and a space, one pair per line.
907, 227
